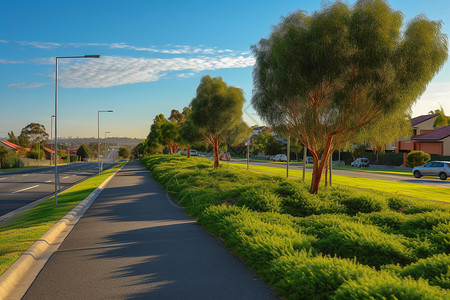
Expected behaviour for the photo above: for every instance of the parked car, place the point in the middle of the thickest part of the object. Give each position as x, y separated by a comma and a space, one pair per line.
224, 156
360, 163
433, 168
309, 160
280, 157
193, 152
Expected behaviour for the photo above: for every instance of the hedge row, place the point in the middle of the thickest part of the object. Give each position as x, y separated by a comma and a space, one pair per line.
340, 244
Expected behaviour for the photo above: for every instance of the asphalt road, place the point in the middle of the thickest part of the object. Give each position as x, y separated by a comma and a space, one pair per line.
21, 188
430, 181
135, 243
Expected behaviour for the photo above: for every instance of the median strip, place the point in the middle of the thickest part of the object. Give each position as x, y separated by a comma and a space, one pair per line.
28, 188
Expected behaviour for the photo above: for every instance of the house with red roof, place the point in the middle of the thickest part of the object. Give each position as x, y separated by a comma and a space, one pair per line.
11, 146
426, 138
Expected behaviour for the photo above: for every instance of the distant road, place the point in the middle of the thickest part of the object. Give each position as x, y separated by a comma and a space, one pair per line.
21, 188
436, 182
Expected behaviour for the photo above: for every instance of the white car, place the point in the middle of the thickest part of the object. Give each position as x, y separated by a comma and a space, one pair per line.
360, 163
193, 152
433, 168
280, 157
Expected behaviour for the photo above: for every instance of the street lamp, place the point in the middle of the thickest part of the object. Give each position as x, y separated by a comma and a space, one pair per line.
51, 139
98, 121
105, 140
56, 118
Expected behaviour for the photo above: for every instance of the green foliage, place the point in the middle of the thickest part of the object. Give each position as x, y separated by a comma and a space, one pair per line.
260, 199
340, 243
83, 152
35, 133
436, 269
389, 287
417, 158
11, 160
124, 152
327, 76
217, 114
35, 154
73, 157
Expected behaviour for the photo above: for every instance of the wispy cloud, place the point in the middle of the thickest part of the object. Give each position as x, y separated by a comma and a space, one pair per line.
3, 41
114, 70
23, 85
169, 49
40, 45
7, 61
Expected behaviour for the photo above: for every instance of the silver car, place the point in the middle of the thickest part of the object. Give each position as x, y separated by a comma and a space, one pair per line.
433, 168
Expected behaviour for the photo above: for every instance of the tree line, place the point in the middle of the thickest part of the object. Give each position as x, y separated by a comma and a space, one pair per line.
339, 76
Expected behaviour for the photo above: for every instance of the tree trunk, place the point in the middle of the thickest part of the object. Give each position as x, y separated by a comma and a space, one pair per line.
326, 174
188, 150
216, 152
316, 175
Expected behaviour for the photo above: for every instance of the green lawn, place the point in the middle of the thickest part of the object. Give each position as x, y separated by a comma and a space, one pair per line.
343, 167
400, 188
19, 233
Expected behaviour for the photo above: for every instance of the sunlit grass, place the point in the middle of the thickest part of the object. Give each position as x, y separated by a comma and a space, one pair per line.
400, 188
19, 233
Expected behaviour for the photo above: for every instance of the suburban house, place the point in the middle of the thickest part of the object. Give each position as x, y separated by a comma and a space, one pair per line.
11, 146
426, 138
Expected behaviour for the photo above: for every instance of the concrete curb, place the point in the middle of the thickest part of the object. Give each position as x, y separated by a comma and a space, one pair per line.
21, 267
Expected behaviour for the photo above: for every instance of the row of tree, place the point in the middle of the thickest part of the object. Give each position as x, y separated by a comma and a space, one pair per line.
214, 118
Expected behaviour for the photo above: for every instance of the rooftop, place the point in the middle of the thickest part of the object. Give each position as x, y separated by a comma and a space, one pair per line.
436, 135
423, 118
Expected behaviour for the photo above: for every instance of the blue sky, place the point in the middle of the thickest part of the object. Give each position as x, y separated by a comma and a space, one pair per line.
153, 56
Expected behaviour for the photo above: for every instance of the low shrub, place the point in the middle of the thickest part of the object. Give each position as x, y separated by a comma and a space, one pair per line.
306, 277
73, 158
436, 269
260, 199
315, 246
387, 286
11, 161
417, 158
367, 243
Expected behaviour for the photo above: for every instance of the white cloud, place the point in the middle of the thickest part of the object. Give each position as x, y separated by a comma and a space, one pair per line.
7, 61
23, 85
435, 95
185, 75
113, 70
3, 41
169, 49
41, 45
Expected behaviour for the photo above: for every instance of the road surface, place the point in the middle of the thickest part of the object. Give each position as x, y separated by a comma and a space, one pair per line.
21, 188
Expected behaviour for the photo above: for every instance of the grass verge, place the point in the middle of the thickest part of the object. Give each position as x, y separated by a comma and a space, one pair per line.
399, 188
342, 243
19, 233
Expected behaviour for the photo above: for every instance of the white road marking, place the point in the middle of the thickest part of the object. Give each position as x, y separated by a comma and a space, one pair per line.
25, 174
48, 181
2, 178
31, 187
65, 177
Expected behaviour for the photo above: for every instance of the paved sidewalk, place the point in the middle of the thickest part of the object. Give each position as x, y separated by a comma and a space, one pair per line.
134, 243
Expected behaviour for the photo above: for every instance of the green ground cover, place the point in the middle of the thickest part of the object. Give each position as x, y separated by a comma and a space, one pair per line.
341, 167
401, 188
19, 233
343, 243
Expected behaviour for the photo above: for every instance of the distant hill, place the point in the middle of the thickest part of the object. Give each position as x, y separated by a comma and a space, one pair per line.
75, 142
